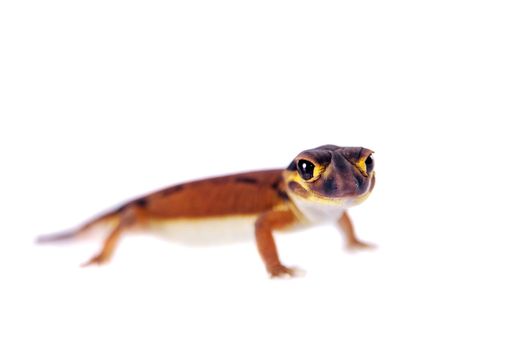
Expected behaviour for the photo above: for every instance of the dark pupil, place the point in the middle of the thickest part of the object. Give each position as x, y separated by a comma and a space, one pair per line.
306, 169
369, 162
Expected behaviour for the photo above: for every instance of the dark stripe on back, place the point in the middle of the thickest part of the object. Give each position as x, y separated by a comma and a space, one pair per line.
247, 180
141, 202
172, 190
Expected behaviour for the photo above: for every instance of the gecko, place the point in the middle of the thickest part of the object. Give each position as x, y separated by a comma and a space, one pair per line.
317, 187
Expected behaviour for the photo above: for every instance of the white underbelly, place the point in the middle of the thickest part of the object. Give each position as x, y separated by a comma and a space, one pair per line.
209, 231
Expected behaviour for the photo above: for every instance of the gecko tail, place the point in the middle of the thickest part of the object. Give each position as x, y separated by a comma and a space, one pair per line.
56, 237
76, 233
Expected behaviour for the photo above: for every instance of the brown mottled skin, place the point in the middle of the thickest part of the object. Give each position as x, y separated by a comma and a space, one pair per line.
317, 186
241, 194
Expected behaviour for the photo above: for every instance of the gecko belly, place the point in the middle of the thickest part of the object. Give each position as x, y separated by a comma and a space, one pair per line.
206, 231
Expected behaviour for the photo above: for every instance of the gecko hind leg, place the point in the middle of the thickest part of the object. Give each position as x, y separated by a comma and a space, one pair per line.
129, 217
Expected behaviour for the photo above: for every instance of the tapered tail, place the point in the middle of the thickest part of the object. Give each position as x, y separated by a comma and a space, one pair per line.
75, 233
56, 237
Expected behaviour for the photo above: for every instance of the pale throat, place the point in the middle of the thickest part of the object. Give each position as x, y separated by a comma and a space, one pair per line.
320, 213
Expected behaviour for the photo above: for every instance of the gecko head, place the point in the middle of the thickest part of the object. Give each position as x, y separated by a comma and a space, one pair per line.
331, 174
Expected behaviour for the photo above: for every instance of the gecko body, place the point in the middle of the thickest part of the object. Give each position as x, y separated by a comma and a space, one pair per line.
317, 187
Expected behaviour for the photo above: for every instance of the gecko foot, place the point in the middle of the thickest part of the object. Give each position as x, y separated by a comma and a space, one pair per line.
96, 260
281, 271
359, 245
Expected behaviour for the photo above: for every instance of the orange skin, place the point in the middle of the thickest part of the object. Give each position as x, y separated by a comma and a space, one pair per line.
275, 197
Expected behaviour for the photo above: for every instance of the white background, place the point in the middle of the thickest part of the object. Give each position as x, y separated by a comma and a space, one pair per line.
101, 101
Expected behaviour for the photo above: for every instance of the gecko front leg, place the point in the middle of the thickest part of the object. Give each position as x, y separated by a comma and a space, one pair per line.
264, 226
352, 242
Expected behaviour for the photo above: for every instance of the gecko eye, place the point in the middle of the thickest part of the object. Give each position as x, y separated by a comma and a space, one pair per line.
306, 169
369, 162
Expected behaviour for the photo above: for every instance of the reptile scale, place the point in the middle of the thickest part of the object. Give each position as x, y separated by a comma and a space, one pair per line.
317, 187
